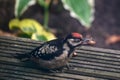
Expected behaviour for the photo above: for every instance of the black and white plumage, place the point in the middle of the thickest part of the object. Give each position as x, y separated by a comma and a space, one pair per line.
56, 53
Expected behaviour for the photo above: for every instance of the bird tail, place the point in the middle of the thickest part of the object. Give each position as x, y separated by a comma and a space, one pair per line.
22, 57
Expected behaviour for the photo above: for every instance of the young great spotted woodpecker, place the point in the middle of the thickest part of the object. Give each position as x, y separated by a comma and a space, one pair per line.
56, 53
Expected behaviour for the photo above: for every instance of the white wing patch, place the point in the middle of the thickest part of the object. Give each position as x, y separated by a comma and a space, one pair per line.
48, 49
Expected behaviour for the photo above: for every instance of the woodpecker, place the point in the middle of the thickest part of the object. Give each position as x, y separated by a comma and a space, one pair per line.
56, 53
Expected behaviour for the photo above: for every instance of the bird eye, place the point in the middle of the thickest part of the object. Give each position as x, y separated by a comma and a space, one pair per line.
77, 40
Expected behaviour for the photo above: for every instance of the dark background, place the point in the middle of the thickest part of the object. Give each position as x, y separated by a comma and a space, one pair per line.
106, 23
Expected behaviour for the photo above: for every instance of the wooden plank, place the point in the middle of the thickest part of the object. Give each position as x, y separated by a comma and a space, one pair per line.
33, 42
99, 49
91, 63
21, 67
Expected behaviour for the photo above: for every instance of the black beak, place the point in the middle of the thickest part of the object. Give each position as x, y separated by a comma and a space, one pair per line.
88, 41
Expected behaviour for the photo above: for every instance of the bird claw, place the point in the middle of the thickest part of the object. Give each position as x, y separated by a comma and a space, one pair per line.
68, 66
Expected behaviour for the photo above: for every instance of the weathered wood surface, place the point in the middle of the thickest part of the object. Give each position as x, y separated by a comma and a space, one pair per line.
90, 64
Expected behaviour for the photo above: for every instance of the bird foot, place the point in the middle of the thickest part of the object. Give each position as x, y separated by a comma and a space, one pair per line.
68, 66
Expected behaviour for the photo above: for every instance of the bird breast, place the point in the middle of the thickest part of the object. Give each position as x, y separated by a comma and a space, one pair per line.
55, 63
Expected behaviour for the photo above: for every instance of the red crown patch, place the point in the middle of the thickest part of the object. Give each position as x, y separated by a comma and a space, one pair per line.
77, 35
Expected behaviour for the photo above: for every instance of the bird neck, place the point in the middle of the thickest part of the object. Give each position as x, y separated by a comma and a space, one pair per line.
68, 48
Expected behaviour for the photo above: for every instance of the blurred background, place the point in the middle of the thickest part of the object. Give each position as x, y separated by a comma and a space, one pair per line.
56, 18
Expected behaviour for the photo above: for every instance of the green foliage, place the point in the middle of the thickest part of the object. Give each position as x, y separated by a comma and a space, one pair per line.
81, 10
36, 36
43, 3
21, 6
31, 28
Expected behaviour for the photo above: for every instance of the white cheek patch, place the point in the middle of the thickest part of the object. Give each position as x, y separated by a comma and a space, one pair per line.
71, 41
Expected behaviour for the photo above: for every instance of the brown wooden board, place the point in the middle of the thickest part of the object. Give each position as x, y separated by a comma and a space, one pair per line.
90, 64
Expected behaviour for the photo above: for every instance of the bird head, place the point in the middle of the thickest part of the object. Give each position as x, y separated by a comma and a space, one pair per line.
76, 39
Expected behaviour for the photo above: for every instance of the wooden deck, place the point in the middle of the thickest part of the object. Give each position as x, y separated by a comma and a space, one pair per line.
90, 64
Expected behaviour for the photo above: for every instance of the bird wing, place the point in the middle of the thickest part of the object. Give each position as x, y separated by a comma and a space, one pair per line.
48, 50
